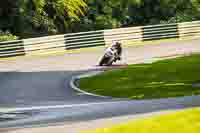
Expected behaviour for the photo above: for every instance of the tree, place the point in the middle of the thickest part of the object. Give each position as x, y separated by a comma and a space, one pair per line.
30, 17
53, 15
8, 13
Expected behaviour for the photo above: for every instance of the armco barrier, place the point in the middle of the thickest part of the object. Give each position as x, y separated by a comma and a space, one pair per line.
61, 43
12, 48
160, 32
189, 29
48, 44
125, 35
84, 39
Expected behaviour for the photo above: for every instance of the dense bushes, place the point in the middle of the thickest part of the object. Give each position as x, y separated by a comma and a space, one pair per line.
7, 36
31, 18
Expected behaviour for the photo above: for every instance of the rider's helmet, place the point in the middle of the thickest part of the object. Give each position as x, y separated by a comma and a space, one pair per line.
116, 44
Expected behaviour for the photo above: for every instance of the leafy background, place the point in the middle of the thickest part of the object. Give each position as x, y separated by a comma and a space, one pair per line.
32, 18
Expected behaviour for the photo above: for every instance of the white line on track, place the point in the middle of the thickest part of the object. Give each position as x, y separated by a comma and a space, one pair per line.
89, 74
6, 110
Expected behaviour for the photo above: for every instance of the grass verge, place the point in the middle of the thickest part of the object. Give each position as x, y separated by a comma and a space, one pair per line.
168, 78
187, 121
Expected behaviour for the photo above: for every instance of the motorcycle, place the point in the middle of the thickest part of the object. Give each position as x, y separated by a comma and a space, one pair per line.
109, 57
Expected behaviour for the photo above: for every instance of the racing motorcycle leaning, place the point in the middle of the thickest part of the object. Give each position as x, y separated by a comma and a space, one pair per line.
112, 54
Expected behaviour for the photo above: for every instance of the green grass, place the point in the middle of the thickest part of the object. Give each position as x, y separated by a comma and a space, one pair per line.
187, 121
167, 78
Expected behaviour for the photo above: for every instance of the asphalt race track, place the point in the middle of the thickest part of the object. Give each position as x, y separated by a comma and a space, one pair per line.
37, 91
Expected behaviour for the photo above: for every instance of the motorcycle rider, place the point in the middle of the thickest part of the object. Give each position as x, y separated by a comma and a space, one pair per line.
115, 51
118, 47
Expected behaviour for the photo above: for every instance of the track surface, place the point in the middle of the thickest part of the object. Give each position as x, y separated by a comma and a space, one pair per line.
44, 82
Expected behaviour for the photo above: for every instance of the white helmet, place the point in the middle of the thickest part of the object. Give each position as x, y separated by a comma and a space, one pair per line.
116, 44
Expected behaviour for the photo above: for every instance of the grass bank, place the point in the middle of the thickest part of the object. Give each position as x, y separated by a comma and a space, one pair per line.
168, 78
187, 121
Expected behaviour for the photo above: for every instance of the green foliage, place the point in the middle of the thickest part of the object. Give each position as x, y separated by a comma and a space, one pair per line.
29, 18
7, 36
138, 12
52, 16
